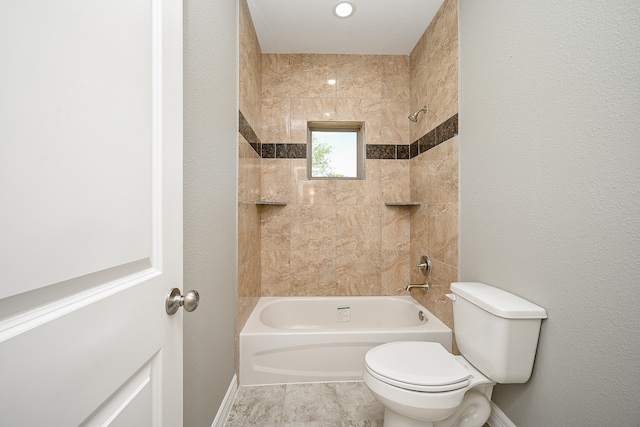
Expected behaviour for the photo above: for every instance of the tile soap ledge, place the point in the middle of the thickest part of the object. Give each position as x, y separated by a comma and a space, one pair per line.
402, 203
270, 203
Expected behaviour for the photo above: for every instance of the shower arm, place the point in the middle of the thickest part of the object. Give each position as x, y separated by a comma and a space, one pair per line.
414, 116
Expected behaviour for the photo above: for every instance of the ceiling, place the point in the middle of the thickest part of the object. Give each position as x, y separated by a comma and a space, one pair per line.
378, 27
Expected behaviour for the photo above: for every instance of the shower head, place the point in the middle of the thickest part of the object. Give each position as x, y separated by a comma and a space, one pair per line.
414, 116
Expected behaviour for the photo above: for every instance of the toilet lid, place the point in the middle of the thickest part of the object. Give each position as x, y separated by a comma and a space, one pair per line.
417, 365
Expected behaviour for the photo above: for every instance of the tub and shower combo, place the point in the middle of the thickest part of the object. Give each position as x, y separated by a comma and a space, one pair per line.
319, 339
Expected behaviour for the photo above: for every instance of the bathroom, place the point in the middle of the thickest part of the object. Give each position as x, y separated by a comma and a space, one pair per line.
125, 177
522, 220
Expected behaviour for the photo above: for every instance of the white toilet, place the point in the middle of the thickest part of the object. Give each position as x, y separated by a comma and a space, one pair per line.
423, 385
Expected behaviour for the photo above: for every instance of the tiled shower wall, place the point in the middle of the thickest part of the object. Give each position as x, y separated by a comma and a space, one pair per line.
249, 164
334, 237
338, 237
434, 174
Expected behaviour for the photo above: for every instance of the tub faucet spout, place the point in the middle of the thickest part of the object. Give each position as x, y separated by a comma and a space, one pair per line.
424, 286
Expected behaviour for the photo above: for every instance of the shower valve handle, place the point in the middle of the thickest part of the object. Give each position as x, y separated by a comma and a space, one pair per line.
424, 266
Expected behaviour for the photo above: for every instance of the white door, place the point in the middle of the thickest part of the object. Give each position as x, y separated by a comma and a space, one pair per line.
90, 212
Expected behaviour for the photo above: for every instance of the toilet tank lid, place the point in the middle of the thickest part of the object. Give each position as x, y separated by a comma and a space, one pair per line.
498, 301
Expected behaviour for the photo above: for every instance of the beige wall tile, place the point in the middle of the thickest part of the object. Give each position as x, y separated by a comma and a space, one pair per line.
442, 63
443, 172
422, 126
276, 120
311, 76
443, 96
395, 125
249, 69
434, 174
351, 192
275, 180
395, 180
247, 273
394, 274
359, 76
306, 191
248, 231
358, 272
276, 76
313, 272
275, 222
245, 307
358, 228
276, 273
395, 77
443, 232
373, 182
313, 228
249, 256
420, 179
248, 172
418, 84
395, 228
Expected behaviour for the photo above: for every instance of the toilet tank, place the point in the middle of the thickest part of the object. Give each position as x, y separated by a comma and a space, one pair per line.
496, 331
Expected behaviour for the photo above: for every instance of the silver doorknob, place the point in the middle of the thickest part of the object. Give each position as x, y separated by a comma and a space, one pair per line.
175, 300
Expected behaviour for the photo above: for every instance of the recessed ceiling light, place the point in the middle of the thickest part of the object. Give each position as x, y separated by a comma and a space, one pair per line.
344, 9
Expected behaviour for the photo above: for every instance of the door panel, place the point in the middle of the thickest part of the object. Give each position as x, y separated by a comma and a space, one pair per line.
76, 138
91, 218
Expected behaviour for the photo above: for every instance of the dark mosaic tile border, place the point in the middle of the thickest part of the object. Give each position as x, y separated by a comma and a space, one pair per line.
447, 129
441, 133
381, 151
247, 132
284, 151
269, 151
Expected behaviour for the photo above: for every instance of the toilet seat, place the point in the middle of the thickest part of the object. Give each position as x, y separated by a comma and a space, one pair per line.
418, 366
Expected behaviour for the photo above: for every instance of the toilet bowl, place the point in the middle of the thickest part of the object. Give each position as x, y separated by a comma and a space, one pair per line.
422, 385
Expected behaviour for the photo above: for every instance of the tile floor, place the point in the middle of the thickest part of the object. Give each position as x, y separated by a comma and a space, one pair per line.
336, 404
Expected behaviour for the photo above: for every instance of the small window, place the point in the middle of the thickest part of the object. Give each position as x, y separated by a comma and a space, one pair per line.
336, 150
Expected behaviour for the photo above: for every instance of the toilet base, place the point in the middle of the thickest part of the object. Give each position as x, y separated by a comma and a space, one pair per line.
473, 412
394, 419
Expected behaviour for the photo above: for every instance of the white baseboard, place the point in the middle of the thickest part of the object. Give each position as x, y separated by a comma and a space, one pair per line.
226, 404
498, 418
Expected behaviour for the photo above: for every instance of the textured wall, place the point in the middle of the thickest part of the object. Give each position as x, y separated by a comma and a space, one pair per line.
434, 71
210, 129
250, 74
434, 174
249, 164
334, 237
550, 194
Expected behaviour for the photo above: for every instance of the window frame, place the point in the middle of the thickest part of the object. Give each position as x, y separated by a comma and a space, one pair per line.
338, 126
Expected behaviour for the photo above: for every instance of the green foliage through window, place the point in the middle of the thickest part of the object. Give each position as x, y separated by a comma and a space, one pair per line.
336, 150
321, 159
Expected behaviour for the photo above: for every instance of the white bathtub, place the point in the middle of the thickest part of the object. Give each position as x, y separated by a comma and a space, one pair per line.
313, 339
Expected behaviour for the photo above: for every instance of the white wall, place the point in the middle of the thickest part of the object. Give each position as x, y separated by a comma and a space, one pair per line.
210, 176
550, 194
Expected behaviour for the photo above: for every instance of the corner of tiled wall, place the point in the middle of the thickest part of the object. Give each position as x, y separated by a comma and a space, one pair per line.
434, 174
249, 165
